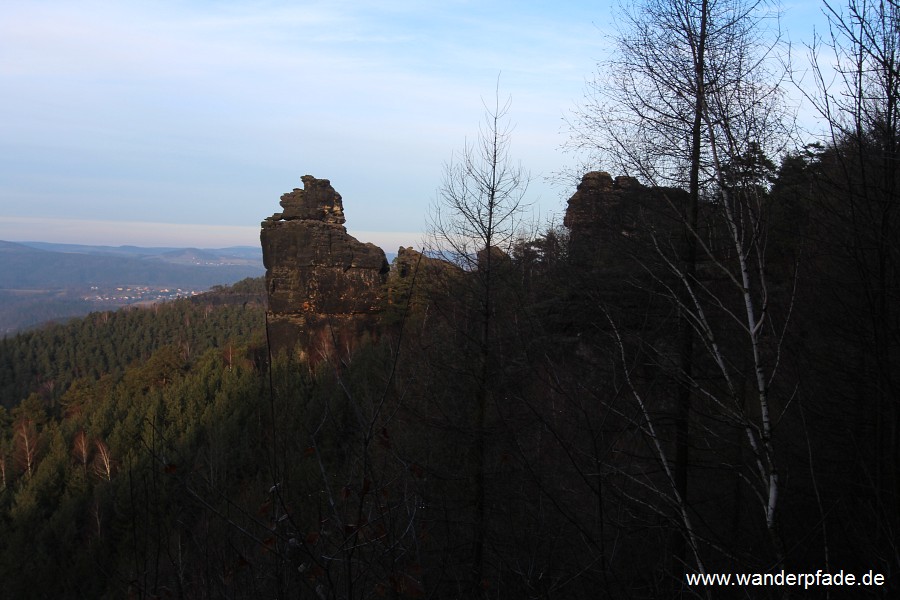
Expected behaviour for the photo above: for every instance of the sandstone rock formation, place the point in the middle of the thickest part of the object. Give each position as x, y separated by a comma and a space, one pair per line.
603, 212
418, 280
323, 284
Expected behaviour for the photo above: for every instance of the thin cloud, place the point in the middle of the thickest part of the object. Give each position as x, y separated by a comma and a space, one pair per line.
123, 233
211, 110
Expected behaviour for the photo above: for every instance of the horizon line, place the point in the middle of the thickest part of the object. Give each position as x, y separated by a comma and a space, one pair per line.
154, 234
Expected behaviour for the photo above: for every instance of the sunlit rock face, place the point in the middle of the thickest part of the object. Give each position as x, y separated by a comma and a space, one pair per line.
323, 284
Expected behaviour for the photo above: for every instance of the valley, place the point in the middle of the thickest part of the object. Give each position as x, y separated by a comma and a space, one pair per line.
42, 282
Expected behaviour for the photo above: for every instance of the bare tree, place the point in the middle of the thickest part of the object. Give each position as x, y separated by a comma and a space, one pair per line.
3, 477
81, 450
480, 203
475, 223
856, 71
27, 445
103, 462
692, 91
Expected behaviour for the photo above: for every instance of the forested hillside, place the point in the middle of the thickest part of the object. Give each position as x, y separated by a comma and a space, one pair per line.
82, 400
696, 374
158, 451
27, 267
40, 282
108, 342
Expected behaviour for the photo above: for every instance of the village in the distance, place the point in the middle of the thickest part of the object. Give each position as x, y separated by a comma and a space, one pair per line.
137, 294
44, 282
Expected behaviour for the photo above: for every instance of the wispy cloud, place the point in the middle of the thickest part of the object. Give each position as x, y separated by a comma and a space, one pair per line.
122, 233
198, 111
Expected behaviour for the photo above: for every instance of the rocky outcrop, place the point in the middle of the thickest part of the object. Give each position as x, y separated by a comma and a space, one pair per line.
417, 280
605, 212
323, 285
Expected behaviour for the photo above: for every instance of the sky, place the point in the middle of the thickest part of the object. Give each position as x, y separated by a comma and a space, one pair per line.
182, 122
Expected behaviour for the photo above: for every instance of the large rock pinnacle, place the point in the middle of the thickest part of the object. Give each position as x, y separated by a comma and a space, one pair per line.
324, 285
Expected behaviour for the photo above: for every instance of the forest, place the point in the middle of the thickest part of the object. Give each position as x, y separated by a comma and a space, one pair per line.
699, 375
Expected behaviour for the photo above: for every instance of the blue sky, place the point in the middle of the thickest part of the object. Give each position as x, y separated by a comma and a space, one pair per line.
182, 122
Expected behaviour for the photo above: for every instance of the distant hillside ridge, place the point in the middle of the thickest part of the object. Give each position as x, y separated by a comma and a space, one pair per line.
26, 267
252, 253
42, 282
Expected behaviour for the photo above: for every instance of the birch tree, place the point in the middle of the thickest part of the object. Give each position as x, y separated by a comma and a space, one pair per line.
693, 90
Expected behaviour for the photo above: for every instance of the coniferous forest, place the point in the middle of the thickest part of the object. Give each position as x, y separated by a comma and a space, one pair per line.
696, 373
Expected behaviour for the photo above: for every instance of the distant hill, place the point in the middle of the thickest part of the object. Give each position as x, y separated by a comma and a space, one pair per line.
251, 252
41, 266
42, 281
